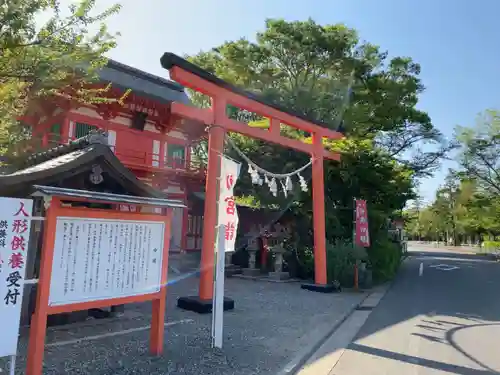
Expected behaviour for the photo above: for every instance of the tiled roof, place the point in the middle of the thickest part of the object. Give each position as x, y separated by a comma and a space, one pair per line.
58, 164
95, 137
158, 88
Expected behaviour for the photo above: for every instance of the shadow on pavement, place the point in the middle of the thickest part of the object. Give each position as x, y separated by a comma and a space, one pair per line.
450, 338
436, 307
453, 369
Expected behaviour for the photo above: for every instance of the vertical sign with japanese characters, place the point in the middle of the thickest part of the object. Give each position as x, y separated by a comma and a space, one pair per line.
228, 215
362, 234
15, 223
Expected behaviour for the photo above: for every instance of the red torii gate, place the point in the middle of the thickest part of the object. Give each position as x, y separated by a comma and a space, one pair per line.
222, 94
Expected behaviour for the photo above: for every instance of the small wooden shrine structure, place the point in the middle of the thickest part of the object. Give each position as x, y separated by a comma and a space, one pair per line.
82, 171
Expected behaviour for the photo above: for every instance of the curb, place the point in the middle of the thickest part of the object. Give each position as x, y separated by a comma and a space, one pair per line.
296, 363
489, 256
303, 356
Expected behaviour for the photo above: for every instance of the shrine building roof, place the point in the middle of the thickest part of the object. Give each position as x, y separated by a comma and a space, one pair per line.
126, 77
71, 165
105, 197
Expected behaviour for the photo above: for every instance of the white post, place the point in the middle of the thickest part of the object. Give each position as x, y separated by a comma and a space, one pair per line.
12, 365
218, 301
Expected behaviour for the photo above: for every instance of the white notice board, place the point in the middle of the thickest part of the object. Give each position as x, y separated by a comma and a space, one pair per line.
15, 224
98, 259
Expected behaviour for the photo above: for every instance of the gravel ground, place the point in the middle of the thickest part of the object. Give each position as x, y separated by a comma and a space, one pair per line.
270, 324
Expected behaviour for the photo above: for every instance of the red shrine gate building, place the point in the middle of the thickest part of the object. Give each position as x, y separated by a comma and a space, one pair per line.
143, 134
152, 132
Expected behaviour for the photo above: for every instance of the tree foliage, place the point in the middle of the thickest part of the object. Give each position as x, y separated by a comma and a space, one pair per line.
467, 206
462, 212
59, 57
480, 151
327, 73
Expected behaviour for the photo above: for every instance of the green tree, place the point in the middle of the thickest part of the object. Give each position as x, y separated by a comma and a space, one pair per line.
325, 72
480, 150
467, 205
59, 57
411, 217
431, 225
462, 212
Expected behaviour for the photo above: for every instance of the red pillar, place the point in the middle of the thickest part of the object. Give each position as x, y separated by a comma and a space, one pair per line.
161, 156
38, 328
185, 219
215, 150
318, 194
65, 138
45, 139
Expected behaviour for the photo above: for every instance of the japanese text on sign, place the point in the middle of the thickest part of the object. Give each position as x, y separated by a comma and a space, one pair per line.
15, 224
362, 237
98, 259
228, 214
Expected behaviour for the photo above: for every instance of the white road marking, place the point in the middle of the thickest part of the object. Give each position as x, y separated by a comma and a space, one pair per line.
112, 334
444, 267
421, 269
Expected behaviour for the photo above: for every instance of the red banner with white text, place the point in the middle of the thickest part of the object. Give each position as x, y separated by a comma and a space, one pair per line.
362, 237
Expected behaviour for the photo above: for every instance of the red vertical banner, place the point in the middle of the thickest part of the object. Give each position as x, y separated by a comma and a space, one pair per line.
362, 237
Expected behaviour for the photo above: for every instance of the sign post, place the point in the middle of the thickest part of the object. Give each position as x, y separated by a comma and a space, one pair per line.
227, 227
93, 258
218, 302
15, 225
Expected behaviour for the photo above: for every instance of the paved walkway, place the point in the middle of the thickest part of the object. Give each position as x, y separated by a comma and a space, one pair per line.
441, 247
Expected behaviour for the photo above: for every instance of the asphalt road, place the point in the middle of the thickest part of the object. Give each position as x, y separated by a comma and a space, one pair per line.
441, 316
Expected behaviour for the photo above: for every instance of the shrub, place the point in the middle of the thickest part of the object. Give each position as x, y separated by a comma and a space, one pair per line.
490, 246
385, 258
299, 261
341, 259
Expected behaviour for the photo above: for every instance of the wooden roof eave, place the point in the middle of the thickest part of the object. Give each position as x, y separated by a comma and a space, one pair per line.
20, 183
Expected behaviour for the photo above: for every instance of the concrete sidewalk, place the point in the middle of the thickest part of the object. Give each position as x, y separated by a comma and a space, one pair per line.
441, 247
327, 356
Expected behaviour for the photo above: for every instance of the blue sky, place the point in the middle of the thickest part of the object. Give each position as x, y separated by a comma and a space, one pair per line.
455, 41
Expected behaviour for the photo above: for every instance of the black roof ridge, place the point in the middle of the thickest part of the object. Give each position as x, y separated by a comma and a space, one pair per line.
116, 65
18, 183
169, 60
94, 137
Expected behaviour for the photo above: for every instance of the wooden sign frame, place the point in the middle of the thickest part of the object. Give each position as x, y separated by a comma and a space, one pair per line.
38, 328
